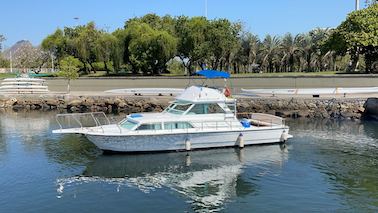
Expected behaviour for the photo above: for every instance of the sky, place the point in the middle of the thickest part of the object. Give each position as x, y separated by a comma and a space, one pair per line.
33, 20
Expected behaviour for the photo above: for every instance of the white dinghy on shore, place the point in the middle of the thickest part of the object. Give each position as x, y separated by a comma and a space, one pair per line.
147, 91
23, 85
312, 91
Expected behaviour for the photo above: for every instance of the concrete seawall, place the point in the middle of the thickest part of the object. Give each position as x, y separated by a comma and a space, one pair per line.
333, 108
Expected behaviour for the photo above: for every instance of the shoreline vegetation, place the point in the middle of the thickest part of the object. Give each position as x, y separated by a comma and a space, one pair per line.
154, 45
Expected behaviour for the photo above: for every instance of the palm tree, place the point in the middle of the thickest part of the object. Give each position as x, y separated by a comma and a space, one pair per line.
269, 52
249, 49
291, 48
305, 48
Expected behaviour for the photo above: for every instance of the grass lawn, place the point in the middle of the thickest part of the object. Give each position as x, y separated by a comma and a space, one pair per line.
7, 75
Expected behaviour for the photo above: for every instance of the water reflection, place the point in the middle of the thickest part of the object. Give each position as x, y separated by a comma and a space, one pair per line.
346, 153
333, 165
27, 128
207, 179
70, 150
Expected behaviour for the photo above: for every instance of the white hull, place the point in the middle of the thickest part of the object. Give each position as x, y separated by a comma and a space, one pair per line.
178, 142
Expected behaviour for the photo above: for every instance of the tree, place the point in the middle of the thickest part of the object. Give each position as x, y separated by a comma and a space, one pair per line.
85, 45
269, 51
3, 62
149, 49
358, 35
2, 38
106, 47
193, 43
55, 44
223, 41
69, 68
290, 46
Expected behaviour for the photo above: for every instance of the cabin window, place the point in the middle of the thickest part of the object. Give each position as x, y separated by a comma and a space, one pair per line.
178, 108
128, 124
177, 125
153, 126
206, 109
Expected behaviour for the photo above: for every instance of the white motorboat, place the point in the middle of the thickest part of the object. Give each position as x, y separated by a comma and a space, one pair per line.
200, 117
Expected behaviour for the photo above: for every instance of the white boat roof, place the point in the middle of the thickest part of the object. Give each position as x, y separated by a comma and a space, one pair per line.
198, 94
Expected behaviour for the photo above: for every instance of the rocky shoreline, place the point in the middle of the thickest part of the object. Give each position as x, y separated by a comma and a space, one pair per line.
325, 108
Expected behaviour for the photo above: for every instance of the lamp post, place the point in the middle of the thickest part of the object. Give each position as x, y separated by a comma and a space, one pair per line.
206, 9
11, 62
77, 21
357, 6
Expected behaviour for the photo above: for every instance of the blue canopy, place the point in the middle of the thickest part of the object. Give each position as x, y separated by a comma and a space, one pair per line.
213, 74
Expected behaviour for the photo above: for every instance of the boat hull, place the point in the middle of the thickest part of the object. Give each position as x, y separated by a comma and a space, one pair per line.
179, 142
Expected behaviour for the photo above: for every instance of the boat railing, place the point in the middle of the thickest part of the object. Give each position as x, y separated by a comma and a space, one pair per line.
262, 119
82, 120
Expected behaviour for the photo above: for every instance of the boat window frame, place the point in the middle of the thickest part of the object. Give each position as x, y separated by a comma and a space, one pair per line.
188, 125
130, 121
224, 111
171, 108
150, 123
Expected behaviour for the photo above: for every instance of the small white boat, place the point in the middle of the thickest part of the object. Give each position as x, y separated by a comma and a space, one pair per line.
199, 118
24, 85
313, 91
147, 91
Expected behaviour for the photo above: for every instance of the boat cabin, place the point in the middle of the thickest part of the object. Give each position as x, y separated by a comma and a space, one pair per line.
195, 104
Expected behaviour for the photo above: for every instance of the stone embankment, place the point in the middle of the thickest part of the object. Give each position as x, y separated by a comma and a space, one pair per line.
339, 108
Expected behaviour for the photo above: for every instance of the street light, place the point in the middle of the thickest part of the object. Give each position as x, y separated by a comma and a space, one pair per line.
206, 9
357, 4
77, 20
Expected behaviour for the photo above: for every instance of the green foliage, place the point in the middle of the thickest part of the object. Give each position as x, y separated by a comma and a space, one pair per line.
69, 68
148, 44
175, 67
2, 38
149, 49
358, 34
4, 63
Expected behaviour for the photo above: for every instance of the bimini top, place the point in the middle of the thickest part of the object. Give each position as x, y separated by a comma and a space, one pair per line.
213, 74
197, 94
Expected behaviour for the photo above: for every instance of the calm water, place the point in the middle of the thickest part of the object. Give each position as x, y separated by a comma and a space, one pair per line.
328, 166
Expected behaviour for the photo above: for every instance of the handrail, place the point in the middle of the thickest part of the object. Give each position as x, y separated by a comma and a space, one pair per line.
76, 117
264, 118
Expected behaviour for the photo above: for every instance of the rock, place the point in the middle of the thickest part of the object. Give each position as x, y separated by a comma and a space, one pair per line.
75, 102
371, 108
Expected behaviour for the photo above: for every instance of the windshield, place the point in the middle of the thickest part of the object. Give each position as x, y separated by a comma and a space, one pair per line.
178, 108
128, 124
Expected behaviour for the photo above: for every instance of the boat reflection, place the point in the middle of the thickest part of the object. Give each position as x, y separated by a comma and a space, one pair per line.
207, 178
